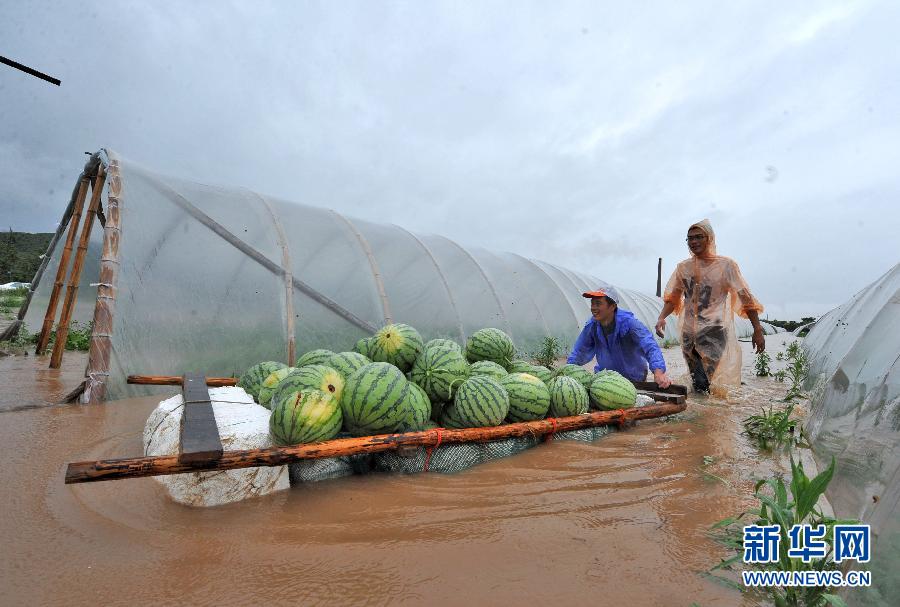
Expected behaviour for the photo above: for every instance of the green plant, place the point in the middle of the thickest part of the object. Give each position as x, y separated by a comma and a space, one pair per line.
797, 369
777, 508
762, 364
551, 349
772, 428
669, 343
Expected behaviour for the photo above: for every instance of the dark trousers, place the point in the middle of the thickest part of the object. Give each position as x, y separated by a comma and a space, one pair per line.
702, 354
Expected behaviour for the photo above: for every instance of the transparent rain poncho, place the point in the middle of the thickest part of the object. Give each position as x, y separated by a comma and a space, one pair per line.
707, 291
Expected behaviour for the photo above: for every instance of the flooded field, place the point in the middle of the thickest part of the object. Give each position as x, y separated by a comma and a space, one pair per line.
619, 521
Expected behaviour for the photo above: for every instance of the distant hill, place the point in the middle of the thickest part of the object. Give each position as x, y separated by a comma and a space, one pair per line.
20, 255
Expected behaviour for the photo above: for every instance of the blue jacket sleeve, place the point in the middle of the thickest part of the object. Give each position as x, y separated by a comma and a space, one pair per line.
583, 350
649, 346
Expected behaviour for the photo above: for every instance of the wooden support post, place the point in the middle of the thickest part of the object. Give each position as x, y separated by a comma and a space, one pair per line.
177, 380
659, 278
199, 434
62, 329
50, 315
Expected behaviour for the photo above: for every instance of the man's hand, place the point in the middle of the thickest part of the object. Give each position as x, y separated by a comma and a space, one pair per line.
662, 380
759, 340
661, 327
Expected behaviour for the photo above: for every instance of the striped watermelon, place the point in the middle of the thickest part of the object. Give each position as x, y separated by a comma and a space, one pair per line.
480, 401
520, 366
375, 400
529, 397
420, 408
252, 379
567, 397
488, 368
271, 383
443, 342
314, 357
578, 372
439, 371
306, 417
542, 373
364, 347
346, 363
490, 344
310, 377
610, 390
398, 344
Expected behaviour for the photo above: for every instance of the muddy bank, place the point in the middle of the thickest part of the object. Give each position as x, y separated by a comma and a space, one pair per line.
618, 521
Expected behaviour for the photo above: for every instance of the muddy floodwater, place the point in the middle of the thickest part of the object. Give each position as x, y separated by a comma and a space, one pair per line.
621, 521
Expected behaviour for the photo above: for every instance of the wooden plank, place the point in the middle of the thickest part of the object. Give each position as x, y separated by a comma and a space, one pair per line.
134, 467
177, 380
199, 434
652, 386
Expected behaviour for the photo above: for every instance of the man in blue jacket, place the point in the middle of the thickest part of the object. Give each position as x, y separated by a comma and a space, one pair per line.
618, 340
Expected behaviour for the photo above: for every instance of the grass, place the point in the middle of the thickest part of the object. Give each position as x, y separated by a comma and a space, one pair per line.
772, 428
78, 338
796, 372
777, 507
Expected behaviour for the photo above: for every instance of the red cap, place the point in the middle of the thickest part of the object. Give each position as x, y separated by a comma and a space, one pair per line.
590, 294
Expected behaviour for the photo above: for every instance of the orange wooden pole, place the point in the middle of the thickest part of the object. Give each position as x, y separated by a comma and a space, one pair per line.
133, 467
62, 329
50, 315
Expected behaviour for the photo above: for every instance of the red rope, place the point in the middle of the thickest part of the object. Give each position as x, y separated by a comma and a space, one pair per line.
549, 437
431, 449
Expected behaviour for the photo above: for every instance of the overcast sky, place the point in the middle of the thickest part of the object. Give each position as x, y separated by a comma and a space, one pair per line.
587, 134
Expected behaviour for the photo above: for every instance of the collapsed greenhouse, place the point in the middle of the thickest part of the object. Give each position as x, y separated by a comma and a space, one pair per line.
188, 276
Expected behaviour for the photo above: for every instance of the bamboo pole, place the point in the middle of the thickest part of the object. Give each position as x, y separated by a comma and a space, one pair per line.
62, 329
100, 349
135, 467
74, 222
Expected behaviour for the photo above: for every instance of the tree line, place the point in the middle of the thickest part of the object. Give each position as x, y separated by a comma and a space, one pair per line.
21, 255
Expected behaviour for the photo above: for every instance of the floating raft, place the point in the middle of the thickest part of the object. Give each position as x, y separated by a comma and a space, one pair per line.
202, 451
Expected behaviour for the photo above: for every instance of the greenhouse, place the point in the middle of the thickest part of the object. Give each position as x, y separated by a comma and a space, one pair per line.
189, 276
854, 378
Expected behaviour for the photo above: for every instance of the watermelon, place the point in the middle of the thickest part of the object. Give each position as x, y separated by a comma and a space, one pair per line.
578, 372
305, 417
252, 379
364, 347
420, 407
443, 342
529, 397
375, 400
479, 401
398, 344
520, 366
567, 397
317, 377
609, 390
488, 368
490, 344
314, 357
270, 384
439, 371
346, 363
542, 373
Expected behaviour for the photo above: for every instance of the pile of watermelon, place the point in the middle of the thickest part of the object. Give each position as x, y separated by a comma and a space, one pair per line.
394, 381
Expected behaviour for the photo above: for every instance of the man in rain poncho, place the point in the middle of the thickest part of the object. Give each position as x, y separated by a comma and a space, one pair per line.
706, 291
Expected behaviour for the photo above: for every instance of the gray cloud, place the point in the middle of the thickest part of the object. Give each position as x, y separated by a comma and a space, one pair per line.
586, 134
